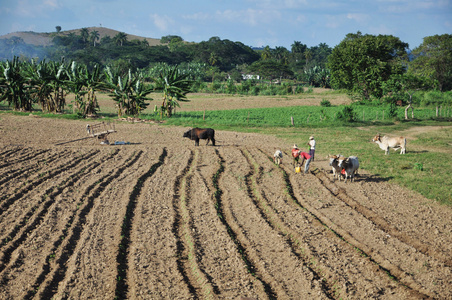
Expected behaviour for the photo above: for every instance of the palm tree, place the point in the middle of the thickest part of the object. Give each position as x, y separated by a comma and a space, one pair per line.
308, 55
84, 33
297, 50
296, 47
213, 58
281, 54
94, 36
120, 38
266, 53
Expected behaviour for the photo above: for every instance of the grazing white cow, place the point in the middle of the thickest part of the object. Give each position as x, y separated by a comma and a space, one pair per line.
277, 157
387, 142
350, 165
334, 165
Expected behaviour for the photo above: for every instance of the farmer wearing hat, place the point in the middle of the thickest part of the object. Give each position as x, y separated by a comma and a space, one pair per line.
297, 153
311, 145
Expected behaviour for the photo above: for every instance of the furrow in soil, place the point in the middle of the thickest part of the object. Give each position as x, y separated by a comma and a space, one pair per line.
155, 257
38, 211
269, 250
356, 230
75, 229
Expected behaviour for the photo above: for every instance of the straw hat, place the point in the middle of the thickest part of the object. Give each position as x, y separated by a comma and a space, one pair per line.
311, 137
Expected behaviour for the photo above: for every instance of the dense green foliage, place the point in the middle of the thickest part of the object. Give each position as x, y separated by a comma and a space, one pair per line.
225, 58
175, 85
370, 68
13, 85
84, 83
362, 63
433, 59
129, 92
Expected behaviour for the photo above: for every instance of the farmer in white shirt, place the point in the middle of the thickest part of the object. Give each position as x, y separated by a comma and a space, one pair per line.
311, 145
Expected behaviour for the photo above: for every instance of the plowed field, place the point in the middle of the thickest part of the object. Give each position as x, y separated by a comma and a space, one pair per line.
162, 219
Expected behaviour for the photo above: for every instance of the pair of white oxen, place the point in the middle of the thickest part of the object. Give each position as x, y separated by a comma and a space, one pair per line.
349, 166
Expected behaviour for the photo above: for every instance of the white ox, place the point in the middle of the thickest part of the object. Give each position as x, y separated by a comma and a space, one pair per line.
334, 166
350, 165
277, 157
387, 142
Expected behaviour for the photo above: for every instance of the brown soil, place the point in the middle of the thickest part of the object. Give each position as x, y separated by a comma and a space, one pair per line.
162, 219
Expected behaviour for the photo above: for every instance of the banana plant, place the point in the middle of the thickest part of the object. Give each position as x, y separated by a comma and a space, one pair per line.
14, 85
48, 80
84, 84
40, 76
175, 86
129, 92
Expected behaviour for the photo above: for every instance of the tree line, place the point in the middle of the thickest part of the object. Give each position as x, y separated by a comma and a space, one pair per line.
225, 58
368, 67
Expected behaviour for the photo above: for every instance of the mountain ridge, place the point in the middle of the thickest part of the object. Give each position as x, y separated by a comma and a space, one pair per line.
45, 38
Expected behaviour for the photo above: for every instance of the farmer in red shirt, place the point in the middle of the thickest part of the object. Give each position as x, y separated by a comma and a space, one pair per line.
297, 153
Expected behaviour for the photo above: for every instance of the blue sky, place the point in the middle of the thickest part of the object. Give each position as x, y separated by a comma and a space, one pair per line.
252, 22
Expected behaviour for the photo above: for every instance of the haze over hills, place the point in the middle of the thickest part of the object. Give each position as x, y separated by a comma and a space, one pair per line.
45, 38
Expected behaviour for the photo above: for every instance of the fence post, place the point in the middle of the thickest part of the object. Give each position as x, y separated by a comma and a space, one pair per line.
363, 115
291, 120
383, 115
204, 115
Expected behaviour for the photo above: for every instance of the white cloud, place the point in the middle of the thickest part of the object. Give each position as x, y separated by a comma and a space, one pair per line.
200, 16
30, 9
162, 22
51, 4
250, 16
332, 22
279, 4
301, 19
405, 6
295, 3
360, 18
25, 9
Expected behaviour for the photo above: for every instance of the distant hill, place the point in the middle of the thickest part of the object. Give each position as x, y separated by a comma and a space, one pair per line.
45, 38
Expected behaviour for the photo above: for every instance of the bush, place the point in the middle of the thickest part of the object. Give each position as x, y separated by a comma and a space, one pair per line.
255, 90
216, 86
325, 103
230, 87
418, 166
392, 111
299, 89
347, 114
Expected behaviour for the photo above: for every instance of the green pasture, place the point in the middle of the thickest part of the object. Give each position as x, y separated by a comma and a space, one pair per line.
304, 116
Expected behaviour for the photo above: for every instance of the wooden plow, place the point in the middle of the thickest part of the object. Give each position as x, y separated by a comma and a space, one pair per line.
99, 131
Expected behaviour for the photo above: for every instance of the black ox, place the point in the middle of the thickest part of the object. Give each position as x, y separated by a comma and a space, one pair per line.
201, 133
